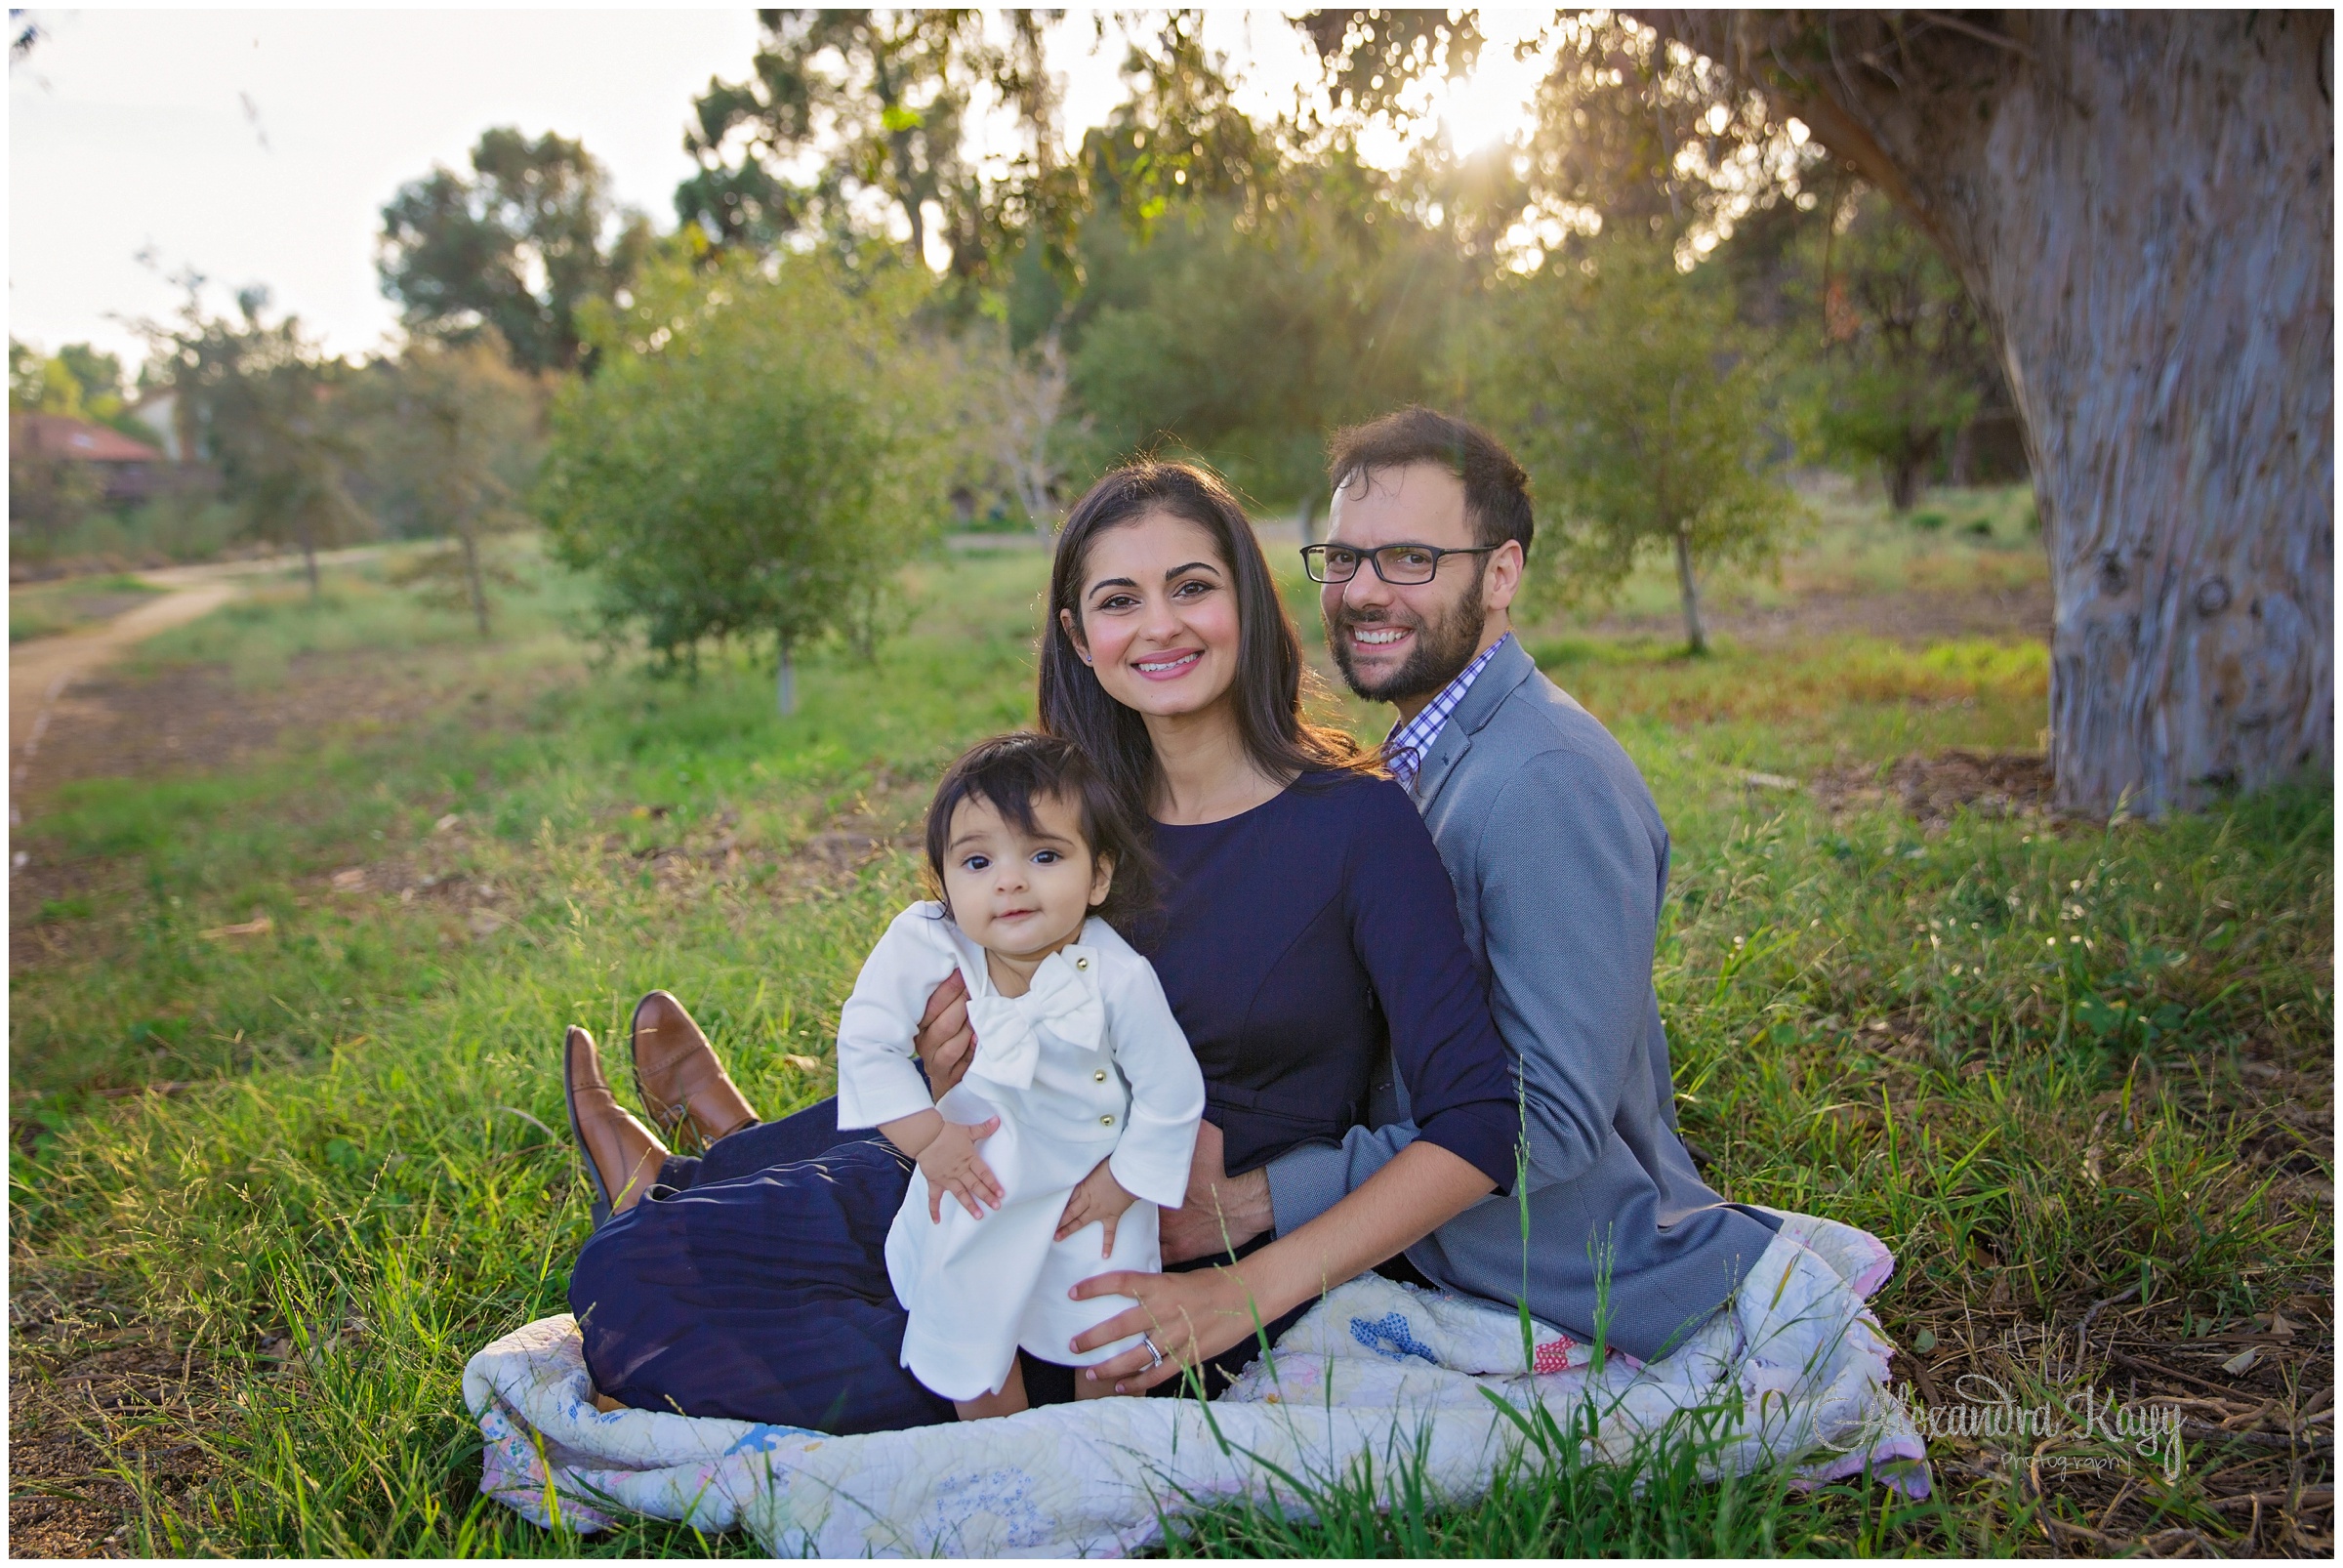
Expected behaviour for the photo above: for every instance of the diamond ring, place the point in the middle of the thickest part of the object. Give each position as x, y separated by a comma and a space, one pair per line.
1153, 1350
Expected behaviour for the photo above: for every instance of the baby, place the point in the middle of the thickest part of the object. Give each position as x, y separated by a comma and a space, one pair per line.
1081, 1104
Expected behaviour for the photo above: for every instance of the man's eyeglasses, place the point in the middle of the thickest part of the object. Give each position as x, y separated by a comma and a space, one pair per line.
1401, 566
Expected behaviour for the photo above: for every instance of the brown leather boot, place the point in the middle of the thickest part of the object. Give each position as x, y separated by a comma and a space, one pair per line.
679, 1076
621, 1157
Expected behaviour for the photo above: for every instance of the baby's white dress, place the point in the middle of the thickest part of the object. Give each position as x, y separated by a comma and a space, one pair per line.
1088, 1065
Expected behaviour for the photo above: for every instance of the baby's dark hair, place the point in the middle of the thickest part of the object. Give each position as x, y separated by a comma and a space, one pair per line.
1007, 773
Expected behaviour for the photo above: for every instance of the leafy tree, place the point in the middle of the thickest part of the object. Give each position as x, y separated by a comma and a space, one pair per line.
77, 381
519, 246
450, 436
761, 450
261, 402
1246, 346
880, 100
1908, 364
1179, 143
1616, 380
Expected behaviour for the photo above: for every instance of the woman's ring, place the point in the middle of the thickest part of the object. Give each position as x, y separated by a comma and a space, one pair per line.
1153, 1350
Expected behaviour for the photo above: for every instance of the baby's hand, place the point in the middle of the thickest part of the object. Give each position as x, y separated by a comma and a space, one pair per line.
950, 1164
1100, 1197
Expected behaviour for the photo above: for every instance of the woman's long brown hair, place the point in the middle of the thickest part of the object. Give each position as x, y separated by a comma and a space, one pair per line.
1278, 740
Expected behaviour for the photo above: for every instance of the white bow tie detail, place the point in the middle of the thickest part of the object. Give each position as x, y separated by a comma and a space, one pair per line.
1063, 998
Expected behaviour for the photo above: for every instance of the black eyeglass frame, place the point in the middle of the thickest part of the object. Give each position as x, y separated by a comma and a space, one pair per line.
1313, 561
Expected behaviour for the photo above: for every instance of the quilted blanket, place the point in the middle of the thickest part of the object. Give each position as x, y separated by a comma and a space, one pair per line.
1793, 1372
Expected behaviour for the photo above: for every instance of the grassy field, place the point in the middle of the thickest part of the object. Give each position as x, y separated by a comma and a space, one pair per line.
54, 607
288, 1136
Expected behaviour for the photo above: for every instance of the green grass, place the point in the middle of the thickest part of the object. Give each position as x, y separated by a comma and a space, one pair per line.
1850, 544
2027, 1055
49, 609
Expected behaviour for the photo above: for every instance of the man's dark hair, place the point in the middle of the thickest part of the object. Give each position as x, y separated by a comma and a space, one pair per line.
1496, 492
1007, 773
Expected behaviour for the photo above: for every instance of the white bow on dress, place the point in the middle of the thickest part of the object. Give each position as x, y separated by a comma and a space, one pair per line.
1062, 998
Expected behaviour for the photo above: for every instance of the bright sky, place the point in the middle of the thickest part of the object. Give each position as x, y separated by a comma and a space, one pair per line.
259, 147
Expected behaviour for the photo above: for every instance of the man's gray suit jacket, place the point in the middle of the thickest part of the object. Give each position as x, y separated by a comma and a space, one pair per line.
1560, 864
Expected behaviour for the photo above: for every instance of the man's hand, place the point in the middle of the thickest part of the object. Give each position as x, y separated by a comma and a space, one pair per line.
1222, 1212
945, 1042
1100, 1197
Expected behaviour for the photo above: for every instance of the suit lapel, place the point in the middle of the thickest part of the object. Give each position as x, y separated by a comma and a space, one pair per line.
1490, 689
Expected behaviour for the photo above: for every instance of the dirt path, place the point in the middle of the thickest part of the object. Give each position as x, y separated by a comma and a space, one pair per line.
41, 672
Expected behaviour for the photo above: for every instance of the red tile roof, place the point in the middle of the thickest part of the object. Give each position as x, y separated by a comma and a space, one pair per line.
68, 436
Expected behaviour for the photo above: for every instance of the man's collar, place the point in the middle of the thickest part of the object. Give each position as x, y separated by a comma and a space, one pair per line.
1422, 750
1509, 665
1426, 721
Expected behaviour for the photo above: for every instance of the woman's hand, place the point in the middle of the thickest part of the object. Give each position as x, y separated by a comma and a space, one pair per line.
1193, 1317
1189, 1317
944, 1039
950, 1164
1098, 1197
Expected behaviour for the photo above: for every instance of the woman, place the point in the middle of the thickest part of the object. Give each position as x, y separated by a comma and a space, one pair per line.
1308, 925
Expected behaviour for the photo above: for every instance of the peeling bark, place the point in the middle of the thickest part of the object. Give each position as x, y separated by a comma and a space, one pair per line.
2142, 206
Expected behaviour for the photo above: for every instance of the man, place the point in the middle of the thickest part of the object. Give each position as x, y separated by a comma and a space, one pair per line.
1560, 864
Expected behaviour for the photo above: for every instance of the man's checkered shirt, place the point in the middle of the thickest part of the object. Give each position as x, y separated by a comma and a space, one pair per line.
1407, 745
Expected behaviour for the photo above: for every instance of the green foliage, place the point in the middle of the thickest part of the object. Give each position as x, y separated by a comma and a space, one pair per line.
1178, 140
882, 102
77, 381
1907, 361
1625, 391
758, 454
451, 441
171, 529
1248, 341
49, 493
521, 246
265, 412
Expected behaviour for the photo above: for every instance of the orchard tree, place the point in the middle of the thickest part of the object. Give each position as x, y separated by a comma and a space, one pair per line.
1614, 379
518, 246
2142, 206
1906, 363
449, 433
1014, 420
1245, 336
261, 401
761, 450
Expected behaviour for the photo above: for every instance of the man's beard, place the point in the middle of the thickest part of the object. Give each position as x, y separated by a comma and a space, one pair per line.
1443, 648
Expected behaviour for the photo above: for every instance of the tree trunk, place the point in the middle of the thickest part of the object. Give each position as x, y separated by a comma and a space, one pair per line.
472, 581
309, 561
1696, 640
1902, 482
785, 681
2141, 205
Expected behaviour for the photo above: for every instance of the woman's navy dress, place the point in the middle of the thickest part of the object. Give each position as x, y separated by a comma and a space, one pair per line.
1297, 941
